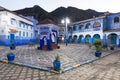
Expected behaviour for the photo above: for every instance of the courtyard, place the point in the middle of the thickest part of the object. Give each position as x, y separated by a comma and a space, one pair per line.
106, 68
70, 55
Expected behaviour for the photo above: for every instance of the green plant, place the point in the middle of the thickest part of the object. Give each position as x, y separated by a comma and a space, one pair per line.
57, 58
98, 45
10, 53
99, 49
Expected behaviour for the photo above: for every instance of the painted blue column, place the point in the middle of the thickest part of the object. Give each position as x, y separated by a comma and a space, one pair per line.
41, 43
84, 40
91, 41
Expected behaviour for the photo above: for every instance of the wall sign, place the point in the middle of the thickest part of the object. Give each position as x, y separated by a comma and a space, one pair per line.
96, 24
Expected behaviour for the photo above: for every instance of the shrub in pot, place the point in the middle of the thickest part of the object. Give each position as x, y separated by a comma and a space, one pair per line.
57, 63
10, 56
98, 47
112, 47
12, 46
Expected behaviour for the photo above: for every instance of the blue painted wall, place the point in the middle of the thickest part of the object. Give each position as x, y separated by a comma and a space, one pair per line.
110, 22
5, 41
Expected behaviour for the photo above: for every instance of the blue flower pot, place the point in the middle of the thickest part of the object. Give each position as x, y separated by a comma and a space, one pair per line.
98, 54
57, 65
11, 57
58, 47
12, 47
111, 48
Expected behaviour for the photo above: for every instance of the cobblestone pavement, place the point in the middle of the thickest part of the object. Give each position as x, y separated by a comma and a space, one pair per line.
70, 55
107, 68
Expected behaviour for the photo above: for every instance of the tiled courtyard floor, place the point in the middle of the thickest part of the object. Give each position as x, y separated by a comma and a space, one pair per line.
107, 68
70, 55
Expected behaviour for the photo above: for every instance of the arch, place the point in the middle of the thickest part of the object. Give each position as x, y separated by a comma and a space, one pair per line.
75, 38
87, 26
95, 37
80, 39
112, 38
87, 38
116, 20
96, 24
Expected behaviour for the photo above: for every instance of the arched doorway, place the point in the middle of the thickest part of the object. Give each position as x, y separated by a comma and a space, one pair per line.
80, 39
70, 39
112, 38
75, 38
95, 37
87, 38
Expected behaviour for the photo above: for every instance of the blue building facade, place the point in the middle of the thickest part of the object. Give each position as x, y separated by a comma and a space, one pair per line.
106, 27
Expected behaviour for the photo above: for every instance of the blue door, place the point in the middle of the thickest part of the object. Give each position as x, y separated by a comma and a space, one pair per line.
12, 38
114, 40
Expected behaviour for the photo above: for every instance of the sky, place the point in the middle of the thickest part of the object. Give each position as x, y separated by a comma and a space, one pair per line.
50, 5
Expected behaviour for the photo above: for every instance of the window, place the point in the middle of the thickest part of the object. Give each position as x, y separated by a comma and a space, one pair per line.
21, 24
27, 26
87, 26
23, 33
24, 25
19, 33
13, 21
26, 34
31, 34
116, 20
31, 27
74, 28
81, 27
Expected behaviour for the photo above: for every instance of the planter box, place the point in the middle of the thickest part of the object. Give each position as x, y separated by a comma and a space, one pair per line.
54, 46
11, 57
44, 47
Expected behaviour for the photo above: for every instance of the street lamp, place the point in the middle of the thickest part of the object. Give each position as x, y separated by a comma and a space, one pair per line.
66, 21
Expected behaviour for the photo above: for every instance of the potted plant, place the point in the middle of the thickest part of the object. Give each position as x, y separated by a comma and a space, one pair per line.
57, 63
10, 56
12, 46
111, 47
98, 47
